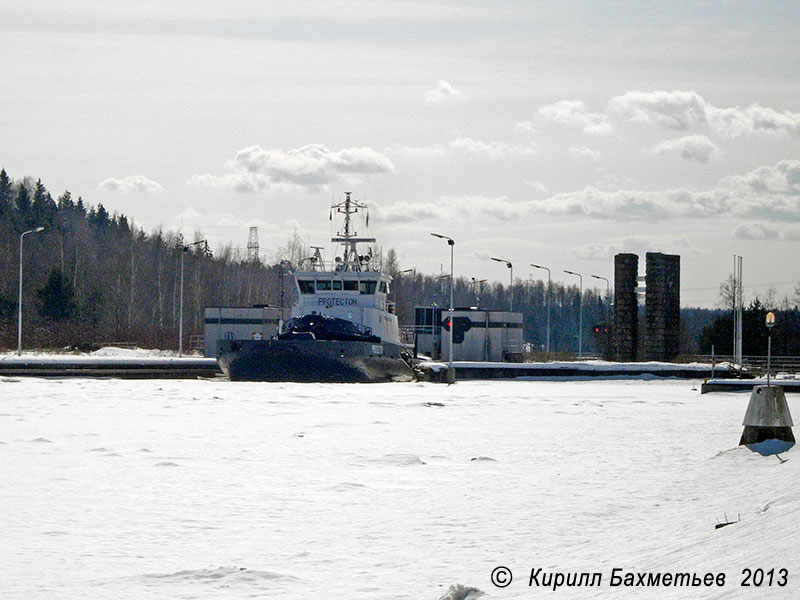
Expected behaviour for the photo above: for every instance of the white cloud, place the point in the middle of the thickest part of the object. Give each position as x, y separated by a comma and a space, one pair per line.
575, 113
673, 110
132, 184
697, 148
584, 152
687, 110
625, 205
465, 207
597, 251
755, 119
466, 145
254, 169
634, 245
537, 186
443, 92
432, 151
791, 232
755, 231
526, 126
770, 193
407, 212
493, 150
767, 192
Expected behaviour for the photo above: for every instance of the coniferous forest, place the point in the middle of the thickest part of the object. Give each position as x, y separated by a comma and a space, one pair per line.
93, 278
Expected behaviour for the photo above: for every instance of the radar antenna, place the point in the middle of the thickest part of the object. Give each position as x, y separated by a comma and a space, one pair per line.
350, 260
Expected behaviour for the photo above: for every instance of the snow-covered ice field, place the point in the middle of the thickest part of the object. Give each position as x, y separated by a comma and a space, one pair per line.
211, 489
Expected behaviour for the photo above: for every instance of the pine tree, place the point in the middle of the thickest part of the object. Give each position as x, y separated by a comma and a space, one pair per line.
65, 201
6, 195
23, 207
43, 208
56, 297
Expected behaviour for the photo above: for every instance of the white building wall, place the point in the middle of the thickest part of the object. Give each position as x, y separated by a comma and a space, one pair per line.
238, 323
492, 336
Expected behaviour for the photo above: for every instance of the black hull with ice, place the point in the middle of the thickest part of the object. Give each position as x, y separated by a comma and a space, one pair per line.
309, 360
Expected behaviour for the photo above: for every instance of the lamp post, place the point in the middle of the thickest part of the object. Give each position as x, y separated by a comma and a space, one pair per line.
19, 304
770, 325
580, 313
400, 274
510, 284
547, 342
608, 293
282, 269
184, 250
450, 242
478, 283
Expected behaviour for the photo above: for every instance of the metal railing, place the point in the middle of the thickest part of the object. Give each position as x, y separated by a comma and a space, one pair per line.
196, 342
757, 365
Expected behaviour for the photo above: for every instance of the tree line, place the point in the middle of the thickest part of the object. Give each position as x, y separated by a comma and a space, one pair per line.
718, 335
91, 277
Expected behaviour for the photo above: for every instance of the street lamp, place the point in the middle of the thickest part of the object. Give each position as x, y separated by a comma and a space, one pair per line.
511, 283
478, 283
608, 293
400, 274
770, 325
580, 313
608, 285
184, 250
450, 242
547, 342
19, 305
282, 269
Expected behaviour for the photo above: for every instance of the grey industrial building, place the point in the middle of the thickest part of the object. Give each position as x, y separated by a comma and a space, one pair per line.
478, 334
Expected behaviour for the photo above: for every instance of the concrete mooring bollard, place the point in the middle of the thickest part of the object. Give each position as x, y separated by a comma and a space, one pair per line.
767, 417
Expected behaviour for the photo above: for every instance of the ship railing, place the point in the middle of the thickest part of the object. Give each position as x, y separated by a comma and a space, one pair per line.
306, 265
407, 334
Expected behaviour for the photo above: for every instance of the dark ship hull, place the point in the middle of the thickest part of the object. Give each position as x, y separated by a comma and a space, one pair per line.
312, 360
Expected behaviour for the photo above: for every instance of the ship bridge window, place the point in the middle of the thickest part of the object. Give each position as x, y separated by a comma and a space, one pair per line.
384, 287
323, 285
368, 287
350, 285
337, 284
306, 286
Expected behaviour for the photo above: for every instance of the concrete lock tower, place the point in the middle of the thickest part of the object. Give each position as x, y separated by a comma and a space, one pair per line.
625, 333
662, 307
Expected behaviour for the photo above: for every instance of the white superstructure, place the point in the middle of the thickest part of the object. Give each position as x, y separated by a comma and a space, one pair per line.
353, 289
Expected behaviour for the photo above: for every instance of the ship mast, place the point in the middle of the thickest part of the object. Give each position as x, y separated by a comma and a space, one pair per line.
350, 260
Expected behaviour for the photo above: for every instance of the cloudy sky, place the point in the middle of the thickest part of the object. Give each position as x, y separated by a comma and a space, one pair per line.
552, 132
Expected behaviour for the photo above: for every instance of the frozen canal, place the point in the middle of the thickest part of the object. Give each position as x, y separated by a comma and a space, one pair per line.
211, 489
